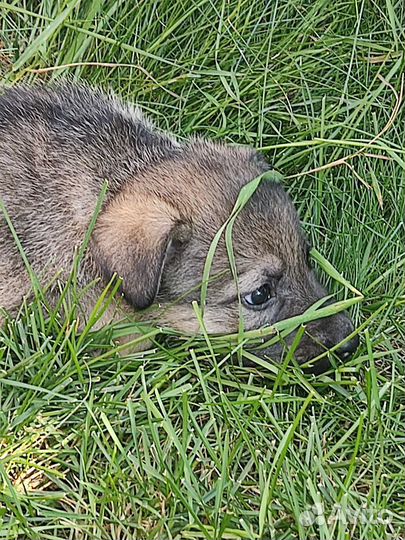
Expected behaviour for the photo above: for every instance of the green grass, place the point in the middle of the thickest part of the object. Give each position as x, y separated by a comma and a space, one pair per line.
179, 442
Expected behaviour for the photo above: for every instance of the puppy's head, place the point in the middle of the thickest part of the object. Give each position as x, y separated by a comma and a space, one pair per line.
157, 232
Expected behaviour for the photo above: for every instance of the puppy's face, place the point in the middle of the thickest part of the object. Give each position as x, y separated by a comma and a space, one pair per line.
159, 246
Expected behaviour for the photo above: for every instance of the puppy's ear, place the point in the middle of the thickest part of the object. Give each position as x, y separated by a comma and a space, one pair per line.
131, 239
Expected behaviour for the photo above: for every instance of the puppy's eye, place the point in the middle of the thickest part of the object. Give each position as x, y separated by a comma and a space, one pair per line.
259, 297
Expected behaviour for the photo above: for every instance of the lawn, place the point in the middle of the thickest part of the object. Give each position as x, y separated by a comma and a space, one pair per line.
181, 442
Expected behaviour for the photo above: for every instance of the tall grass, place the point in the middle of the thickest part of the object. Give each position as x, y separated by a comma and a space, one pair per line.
181, 441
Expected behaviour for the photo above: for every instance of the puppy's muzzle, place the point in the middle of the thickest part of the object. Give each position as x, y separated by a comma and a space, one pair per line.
332, 331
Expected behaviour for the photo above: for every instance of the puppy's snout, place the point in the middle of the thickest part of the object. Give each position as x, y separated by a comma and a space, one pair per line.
342, 327
344, 352
347, 350
329, 333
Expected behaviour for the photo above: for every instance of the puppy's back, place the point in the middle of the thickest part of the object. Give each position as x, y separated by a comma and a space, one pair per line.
45, 127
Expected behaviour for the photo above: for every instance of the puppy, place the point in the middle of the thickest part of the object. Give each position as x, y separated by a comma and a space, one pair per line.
165, 202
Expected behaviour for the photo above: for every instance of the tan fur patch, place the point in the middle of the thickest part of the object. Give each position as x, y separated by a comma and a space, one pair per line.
136, 215
131, 240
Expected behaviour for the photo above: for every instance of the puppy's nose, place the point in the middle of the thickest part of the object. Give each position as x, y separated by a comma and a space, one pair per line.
344, 352
347, 350
319, 367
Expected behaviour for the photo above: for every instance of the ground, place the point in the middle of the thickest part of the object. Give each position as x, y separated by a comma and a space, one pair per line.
180, 442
